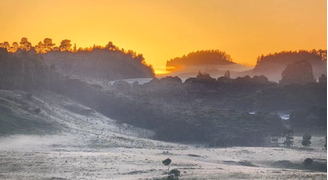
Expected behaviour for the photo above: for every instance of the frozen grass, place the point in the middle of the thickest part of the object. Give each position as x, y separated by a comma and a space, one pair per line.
100, 148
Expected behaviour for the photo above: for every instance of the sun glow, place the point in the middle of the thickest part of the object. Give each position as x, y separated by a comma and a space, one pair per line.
165, 29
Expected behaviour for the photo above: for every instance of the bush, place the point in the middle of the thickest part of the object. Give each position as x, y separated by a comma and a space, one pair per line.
308, 162
306, 139
174, 174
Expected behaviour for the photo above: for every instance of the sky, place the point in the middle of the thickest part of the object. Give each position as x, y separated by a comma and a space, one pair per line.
164, 29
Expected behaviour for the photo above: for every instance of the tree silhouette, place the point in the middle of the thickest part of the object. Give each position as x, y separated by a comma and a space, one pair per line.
308, 162
306, 139
299, 72
204, 57
174, 174
167, 162
289, 135
227, 74
14, 47
323, 78
65, 45
25, 45
39, 48
74, 48
48, 45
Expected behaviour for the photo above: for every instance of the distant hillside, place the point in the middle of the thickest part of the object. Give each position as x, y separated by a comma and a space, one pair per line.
272, 65
99, 64
23, 70
199, 58
214, 62
107, 62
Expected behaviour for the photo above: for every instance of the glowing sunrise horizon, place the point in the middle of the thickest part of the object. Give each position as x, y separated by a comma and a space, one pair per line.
165, 29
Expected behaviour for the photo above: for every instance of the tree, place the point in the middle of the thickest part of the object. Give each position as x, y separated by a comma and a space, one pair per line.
74, 48
227, 74
65, 45
204, 77
5, 45
14, 47
167, 162
308, 162
39, 48
25, 45
174, 174
274, 140
289, 135
323, 78
48, 45
299, 72
260, 79
312, 117
306, 139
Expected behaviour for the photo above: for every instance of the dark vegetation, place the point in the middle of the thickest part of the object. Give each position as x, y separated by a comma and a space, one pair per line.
23, 70
298, 72
201, 109
101, 62
311, 117
289, 137
272, 65
307, 164
183, 112
306, 139
199, 58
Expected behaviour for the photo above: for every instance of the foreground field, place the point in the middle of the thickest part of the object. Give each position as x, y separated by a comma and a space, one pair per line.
66, 160
96, 147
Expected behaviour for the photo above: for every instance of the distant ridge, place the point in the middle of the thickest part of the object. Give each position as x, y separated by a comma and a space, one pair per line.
272, 65
199, 58
107, 62
214, 62
99, 64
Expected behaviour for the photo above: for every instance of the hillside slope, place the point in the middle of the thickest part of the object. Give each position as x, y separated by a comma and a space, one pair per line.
47, 113
99, 64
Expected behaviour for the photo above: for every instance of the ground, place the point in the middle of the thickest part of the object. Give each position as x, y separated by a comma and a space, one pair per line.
96, 147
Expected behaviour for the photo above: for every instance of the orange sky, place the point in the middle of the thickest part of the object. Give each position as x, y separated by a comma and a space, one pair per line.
163, 29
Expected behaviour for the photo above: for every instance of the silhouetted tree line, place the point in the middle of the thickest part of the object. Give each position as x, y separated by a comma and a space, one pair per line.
298, 72
204, 57
272, 65
24, 70
100, 64
65, 45
105, 62
312, 117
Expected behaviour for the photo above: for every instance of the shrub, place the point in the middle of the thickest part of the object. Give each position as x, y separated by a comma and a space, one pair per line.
308, 162
306, 139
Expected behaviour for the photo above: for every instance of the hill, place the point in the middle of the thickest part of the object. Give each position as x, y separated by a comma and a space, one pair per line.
107, 62
57, 127
214, 62
23, 70
99, 64
272, 65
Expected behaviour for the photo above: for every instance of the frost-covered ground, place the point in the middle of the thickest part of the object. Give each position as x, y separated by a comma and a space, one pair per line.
96, 147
